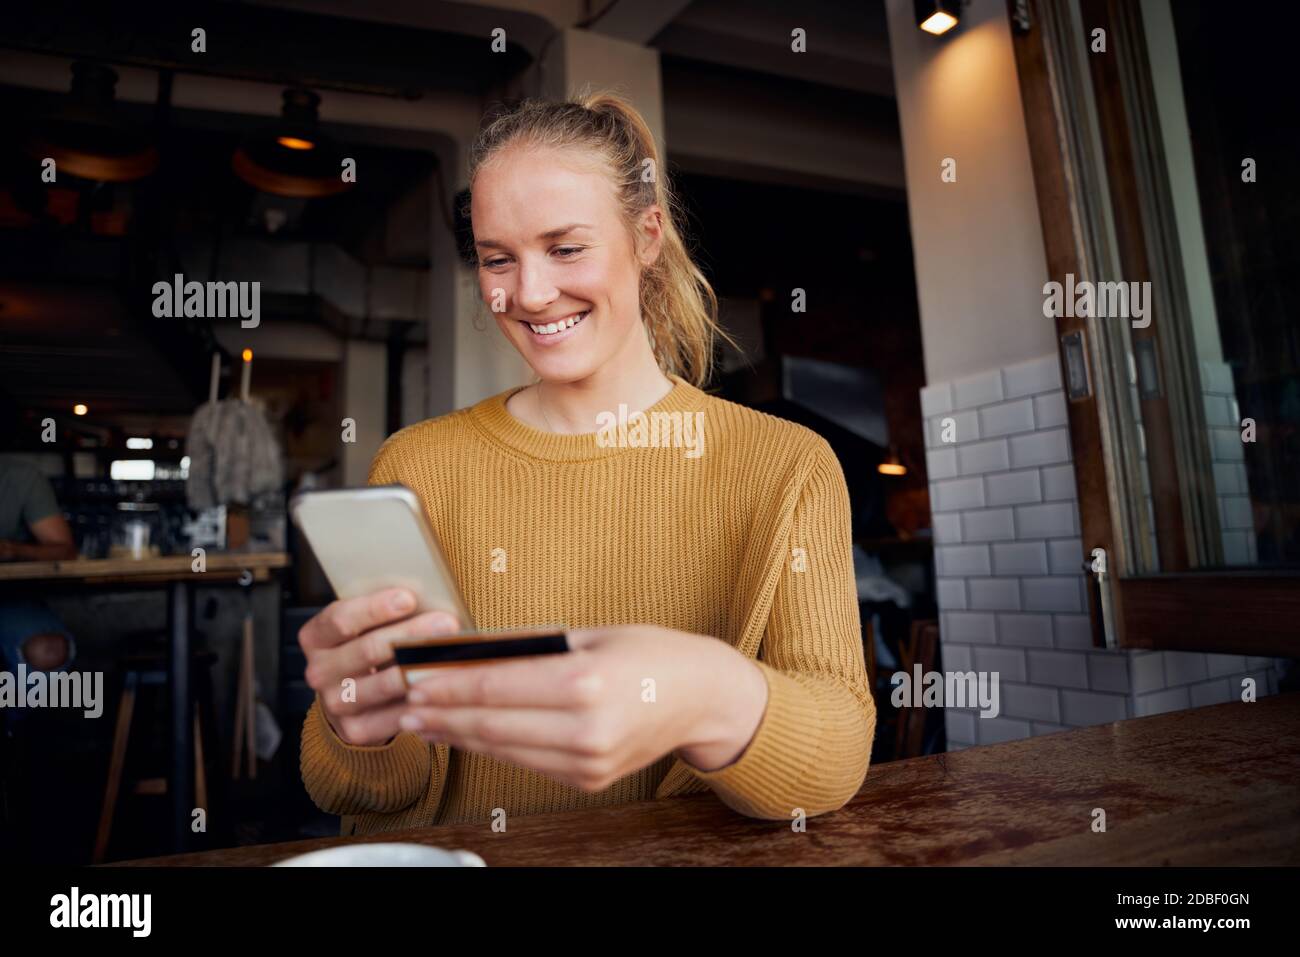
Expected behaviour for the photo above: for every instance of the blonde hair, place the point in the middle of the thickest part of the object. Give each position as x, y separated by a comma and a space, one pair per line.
678, 305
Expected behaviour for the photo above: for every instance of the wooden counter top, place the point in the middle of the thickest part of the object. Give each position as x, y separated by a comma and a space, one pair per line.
1210, 786
157, 569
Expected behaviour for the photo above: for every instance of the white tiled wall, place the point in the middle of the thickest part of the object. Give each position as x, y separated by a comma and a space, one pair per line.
1009, 567
1223, 419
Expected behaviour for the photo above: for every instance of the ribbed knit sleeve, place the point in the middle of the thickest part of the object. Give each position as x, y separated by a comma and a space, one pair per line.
344, 778
813, 745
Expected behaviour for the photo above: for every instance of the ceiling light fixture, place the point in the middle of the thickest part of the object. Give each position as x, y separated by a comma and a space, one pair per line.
293, 157
937, 16
86, 137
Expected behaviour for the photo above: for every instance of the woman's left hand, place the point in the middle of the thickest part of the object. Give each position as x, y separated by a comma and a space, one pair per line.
623, 697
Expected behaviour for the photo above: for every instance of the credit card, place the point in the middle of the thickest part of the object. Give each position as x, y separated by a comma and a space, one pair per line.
475, 648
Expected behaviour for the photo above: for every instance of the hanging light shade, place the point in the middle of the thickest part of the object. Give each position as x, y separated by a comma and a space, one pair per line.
85, 136
292, 157
892, 465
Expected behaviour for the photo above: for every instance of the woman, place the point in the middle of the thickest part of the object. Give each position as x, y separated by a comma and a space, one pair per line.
700, 553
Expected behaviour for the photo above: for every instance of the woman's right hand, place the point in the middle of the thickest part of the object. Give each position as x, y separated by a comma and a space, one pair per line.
350, 664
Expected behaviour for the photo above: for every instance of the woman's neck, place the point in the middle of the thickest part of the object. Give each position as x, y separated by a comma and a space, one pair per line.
574, 407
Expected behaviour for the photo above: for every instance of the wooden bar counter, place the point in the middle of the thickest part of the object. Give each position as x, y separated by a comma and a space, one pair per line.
1210, 786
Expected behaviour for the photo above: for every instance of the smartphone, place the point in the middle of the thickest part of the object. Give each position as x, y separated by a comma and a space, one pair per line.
419, 657
369, 539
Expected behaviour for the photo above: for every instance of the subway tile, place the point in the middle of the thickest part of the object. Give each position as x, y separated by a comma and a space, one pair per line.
994, 594
1226, 445
951, 593
987, 525
1049, 410
1065, 556
1216, 666
981, 457
998, 730
1025, 630
1217, 410
1051, 520
955, 656
1009, 663
1235, 548
1034, 376
965, 428
1159, 702
1030, 701
941, 463
1040, 448
1062, 669
1147, 672
947, 527
1013, 488
960, 726
1052, 594
1007, 417
961, 560
1020, 558
1217, 377
936, 399
970, 626
1108, 671
1083, 708
1235, 512
954, 494
1041, 728
978, 390
1073, 631
1206, 693
1058, 483
1230, 478
1184, 668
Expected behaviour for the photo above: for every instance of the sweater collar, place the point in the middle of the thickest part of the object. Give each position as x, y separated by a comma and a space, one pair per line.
494, 420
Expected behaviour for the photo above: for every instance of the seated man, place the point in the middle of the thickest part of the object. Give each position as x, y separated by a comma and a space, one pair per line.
32, 528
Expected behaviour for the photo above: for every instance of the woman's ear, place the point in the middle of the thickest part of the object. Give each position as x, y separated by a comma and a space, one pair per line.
650, 235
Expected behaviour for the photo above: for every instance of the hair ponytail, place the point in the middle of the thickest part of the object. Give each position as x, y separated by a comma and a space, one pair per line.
678, 305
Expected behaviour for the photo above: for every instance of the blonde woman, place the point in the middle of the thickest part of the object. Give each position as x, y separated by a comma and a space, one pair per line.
703, 566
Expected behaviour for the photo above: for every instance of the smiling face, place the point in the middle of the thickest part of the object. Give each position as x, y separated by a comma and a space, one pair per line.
557, 264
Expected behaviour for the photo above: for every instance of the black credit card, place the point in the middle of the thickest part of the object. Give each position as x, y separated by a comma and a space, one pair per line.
449, 651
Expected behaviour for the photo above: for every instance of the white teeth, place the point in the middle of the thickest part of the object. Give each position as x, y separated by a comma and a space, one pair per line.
553, 327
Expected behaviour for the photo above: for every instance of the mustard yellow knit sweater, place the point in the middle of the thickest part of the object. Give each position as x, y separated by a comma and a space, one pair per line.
744, 536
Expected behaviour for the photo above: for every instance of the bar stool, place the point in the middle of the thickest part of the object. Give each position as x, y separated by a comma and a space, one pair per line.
148, 670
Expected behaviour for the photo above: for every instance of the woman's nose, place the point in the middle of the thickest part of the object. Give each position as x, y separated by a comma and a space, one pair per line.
535, 291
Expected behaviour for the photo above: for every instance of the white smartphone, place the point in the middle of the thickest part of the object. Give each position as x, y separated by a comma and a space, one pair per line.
369, 539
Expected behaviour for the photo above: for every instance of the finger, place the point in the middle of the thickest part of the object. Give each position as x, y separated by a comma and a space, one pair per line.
386, 686
540, 681
377, 725
343, 620
374, 649
549, 729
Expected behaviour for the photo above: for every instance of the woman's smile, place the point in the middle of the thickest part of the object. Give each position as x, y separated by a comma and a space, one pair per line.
555, 330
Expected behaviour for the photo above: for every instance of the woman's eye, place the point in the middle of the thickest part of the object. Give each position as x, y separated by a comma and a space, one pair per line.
491, 263
567, 251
